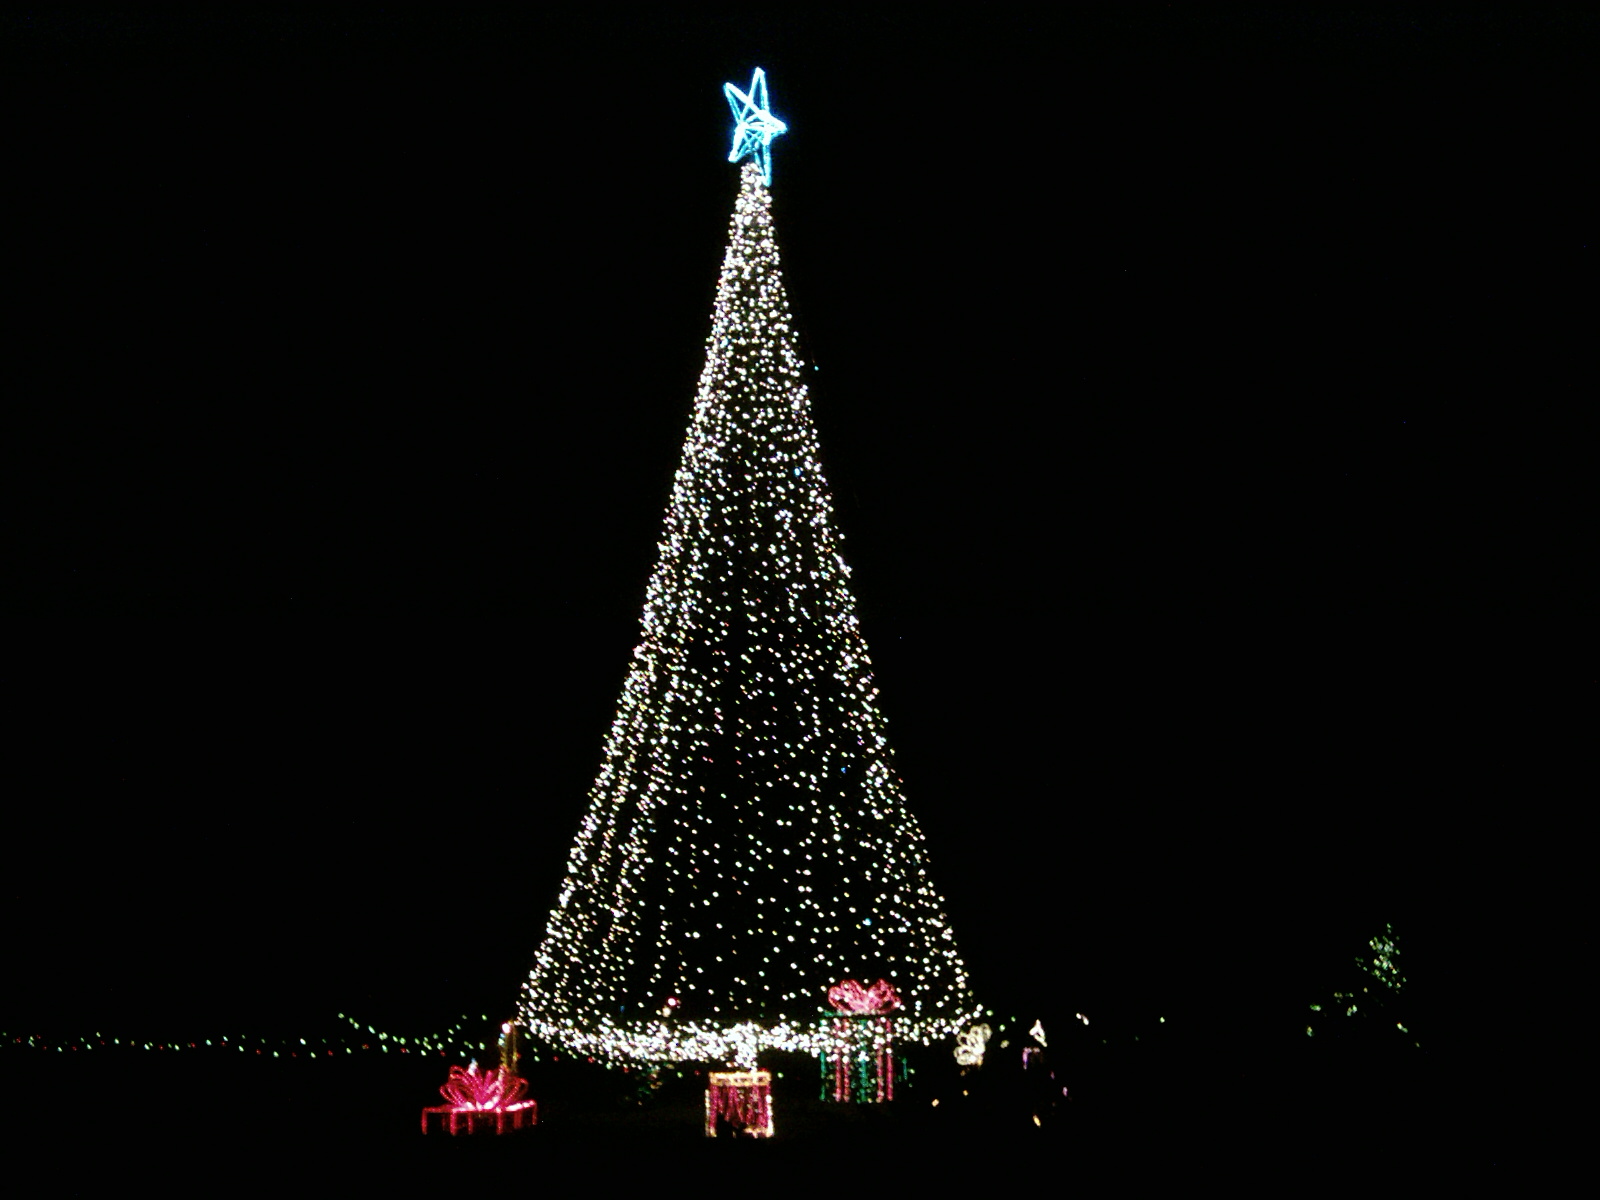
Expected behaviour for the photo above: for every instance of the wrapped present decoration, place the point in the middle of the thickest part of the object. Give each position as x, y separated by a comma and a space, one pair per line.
860, 1064
739, 1103
483, 1099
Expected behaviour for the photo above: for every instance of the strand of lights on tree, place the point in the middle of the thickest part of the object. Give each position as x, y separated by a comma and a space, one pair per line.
312, 1049
746, 841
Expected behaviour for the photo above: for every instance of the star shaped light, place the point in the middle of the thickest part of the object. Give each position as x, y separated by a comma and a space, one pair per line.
756, 126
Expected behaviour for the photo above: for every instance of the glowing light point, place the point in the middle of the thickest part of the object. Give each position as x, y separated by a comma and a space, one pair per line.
755, 126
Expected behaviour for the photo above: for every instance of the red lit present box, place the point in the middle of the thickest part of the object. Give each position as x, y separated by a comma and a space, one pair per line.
739, 1103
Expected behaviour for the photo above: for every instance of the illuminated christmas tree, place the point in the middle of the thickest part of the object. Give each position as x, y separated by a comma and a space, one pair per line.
746, 844
1372, 997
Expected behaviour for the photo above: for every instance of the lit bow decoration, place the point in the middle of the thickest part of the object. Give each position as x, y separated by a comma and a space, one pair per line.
848, 996
471, 1088
970, 1045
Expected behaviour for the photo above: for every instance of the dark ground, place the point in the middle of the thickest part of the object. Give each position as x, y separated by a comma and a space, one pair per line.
1158, 1114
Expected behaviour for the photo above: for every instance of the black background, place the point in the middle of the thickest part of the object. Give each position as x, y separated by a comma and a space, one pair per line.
1193, 383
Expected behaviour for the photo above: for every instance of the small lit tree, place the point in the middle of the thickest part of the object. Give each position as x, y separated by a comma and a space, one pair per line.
1371, 999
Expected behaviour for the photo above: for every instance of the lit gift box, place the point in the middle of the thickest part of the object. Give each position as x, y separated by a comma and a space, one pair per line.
860, 1065
483, 1099
739, 1103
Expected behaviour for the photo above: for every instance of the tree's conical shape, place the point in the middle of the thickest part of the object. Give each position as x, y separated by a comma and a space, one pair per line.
746, 843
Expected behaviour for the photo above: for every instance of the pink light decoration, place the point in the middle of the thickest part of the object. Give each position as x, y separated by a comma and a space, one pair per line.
742, 1100
478, 1096
849, 996
851, 999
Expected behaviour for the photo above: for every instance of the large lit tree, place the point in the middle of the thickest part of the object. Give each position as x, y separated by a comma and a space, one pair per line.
746, 843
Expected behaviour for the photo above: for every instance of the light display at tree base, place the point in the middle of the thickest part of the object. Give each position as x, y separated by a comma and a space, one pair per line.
483, 1100
860, 1063
863, 1066
739, 1103
970, 1044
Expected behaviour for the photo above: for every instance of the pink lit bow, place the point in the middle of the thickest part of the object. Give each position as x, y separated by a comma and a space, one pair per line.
848, 996
470, 1088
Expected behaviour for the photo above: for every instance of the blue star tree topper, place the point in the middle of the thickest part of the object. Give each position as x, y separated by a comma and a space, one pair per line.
755, 126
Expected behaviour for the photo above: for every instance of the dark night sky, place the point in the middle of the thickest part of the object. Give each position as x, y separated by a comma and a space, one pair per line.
1189, 381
